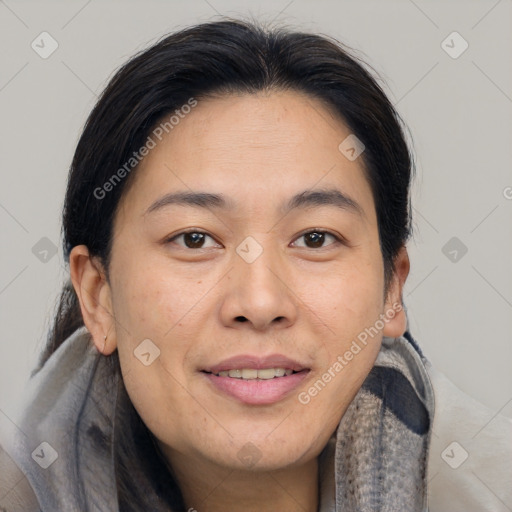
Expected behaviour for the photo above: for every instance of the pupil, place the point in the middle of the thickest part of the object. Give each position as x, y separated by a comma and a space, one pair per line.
316, 238
193, 240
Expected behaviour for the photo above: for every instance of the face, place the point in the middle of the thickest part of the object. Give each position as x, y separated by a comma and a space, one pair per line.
277, 269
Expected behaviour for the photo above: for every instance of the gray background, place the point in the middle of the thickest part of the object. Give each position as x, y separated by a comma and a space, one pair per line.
458, 110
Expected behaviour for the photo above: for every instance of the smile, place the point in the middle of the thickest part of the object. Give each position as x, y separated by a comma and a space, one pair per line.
253, 373
248, 387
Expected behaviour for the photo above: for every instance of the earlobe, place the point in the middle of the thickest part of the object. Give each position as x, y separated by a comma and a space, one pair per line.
93, 291
394, 311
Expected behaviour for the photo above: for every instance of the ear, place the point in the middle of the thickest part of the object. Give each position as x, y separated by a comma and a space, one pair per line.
396, 323
93, 291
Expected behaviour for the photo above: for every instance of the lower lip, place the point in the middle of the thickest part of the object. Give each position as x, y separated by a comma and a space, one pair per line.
257, 392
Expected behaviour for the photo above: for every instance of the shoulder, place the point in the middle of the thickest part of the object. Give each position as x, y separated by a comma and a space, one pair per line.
16, 493
59, 405
469, 465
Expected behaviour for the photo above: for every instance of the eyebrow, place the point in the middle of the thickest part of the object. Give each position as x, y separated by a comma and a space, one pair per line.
305, 199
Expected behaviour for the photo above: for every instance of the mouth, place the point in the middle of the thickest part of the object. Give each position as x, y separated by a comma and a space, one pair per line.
256, 381
254, 373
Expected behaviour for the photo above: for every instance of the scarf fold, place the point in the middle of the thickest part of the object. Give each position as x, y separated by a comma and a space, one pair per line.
379, 454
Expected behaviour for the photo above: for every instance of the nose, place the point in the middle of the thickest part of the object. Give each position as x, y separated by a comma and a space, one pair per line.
259, 294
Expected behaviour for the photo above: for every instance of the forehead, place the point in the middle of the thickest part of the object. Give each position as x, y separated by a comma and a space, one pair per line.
254, 148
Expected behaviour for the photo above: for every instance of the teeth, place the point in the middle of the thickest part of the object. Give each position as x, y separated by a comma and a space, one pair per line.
249, 374
252, 373
268, 373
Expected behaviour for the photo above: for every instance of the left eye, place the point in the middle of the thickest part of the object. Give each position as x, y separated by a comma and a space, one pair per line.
315, 239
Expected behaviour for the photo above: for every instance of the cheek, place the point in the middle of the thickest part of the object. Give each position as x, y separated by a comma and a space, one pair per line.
151, 297
349, 303
350, 298
159, 398
348, 352
147, 311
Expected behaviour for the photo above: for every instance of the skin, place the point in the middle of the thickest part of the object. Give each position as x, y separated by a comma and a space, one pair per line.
298, 299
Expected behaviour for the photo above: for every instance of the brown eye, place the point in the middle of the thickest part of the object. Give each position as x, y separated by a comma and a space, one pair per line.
192, 240
316, 239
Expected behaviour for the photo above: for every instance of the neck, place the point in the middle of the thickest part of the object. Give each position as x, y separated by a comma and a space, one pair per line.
210, 488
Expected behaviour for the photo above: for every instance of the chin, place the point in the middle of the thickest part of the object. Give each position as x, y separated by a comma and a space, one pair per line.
263, 456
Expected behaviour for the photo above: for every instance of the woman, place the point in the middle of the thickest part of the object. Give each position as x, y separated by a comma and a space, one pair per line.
233, 335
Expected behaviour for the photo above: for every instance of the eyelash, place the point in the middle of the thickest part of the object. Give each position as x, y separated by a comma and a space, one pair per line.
338, 239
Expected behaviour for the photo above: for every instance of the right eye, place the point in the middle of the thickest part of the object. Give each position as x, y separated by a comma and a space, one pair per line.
191, 239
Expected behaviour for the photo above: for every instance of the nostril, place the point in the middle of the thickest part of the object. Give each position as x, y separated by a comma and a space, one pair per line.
241, 318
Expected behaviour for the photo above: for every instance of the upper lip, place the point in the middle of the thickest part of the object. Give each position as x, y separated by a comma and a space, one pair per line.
257, 362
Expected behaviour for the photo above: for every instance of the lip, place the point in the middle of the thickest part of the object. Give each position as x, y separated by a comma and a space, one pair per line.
255, 391
257, 362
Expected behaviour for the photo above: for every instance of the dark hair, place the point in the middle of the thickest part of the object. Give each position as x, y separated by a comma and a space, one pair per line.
222, 57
